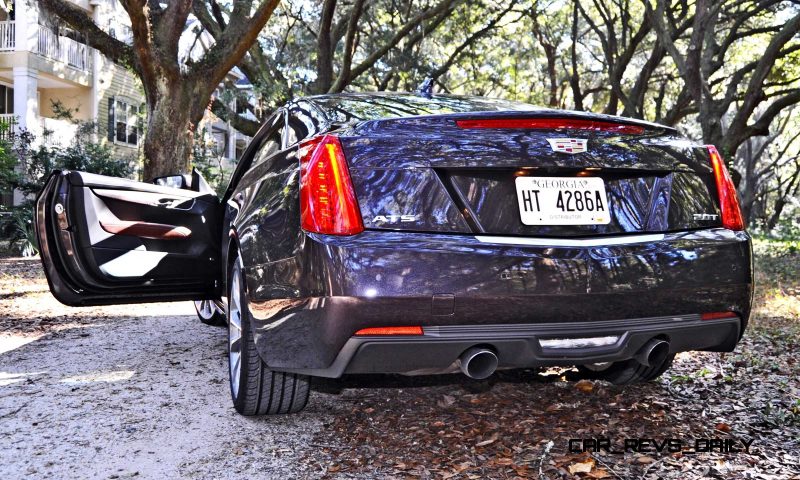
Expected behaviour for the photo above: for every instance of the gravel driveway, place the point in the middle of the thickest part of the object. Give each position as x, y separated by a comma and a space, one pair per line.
142, 391
127, 390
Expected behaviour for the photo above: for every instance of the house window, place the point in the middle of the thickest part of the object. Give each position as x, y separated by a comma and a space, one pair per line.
220, 143
126, 122
6, 99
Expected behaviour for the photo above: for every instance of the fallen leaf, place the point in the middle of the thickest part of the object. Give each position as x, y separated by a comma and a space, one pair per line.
599, 473
582, 467
723, 427
486, 442
585, 386
644, 459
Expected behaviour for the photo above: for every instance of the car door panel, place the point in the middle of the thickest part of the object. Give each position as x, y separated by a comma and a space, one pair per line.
108, 240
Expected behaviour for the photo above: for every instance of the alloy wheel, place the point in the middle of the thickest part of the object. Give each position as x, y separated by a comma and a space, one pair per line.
235, 333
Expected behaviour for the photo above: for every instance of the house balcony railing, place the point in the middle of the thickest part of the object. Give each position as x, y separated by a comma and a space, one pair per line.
8, 126
7, 36
62, 49
47, 44
51, 132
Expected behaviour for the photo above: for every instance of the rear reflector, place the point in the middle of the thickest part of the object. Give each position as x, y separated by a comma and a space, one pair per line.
390, 331
718, 315
327, 201
552, 124
728, 200
579, 342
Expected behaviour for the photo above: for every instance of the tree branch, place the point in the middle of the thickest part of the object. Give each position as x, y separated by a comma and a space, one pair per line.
761, 126
325, 48
738, 131
76, 18
397, 37
347, 61
234, 42
244, 125
475, 36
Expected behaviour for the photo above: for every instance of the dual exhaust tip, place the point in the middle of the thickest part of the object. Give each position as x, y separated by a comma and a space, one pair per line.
653, 353
480, 362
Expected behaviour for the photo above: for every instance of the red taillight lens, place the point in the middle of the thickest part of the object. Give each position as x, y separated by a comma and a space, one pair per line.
327, 201
551, 124
728, 200
390, 331
717, 315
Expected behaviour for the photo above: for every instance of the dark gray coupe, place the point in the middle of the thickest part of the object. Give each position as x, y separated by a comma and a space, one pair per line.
376, 233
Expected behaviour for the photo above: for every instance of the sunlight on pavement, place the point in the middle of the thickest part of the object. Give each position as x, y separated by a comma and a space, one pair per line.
12, 342
116, 376
7, 378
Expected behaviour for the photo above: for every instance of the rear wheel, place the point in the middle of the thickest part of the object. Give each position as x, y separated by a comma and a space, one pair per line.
255, 389
626, 372
211, 312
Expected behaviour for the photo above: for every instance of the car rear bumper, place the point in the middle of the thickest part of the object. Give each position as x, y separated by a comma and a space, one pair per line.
461, 289
525, 345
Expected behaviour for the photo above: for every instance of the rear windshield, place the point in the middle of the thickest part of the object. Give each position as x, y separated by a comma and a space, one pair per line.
357, 107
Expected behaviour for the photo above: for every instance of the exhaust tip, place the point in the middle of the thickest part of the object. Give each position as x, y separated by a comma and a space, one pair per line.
478, 363
653, 353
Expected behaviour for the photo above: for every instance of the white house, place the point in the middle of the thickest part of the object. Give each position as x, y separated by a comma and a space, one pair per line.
43, 62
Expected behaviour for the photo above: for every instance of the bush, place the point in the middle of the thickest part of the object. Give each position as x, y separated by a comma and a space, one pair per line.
210, 163
16, 226
82, 154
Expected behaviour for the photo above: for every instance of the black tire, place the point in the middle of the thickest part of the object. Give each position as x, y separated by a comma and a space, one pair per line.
211, 312
628, 372
257, 390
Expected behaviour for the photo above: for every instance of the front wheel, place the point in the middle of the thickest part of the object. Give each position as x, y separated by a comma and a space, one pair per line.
211, 312
255, 389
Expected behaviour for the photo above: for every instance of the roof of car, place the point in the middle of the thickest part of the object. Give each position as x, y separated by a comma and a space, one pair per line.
343, 107
349, 107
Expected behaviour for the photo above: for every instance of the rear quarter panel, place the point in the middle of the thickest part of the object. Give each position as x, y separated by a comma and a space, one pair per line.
264, 213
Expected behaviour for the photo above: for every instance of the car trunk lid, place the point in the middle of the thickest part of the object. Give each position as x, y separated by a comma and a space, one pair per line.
458, 173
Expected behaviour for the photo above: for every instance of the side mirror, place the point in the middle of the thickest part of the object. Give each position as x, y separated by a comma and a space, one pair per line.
173, 181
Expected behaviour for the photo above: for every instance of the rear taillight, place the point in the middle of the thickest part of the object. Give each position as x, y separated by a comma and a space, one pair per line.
717, 315
551, 124
327, 200
728, 200
409, 330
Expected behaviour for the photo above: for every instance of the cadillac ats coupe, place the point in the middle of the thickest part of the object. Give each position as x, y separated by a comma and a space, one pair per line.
418, 234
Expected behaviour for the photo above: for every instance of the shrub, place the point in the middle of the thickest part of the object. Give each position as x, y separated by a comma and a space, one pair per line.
16, 226
82, 154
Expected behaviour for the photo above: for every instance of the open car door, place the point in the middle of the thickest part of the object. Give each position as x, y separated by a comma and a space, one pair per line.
106, 240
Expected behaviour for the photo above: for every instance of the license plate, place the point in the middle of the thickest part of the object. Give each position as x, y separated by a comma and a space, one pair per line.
562, 201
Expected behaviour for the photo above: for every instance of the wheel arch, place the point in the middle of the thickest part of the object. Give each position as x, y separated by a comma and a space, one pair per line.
229, 256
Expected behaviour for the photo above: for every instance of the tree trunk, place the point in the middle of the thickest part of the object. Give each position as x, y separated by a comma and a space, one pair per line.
172, 117
551, 54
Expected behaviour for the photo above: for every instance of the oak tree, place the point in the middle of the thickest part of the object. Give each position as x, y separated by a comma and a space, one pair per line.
177, 91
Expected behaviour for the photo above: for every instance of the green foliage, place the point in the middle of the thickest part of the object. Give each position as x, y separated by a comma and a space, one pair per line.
207, 159
82, 154
62, 112
16, 226
765, 247
9, 177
